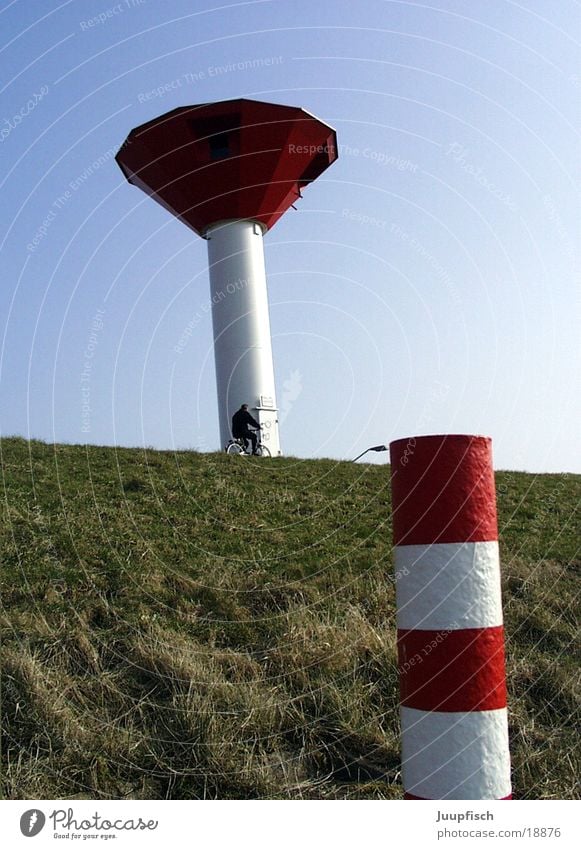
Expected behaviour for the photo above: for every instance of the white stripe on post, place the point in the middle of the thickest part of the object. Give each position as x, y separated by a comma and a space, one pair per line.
463, 577
455, 755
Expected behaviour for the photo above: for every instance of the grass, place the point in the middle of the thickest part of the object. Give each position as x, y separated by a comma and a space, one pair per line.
195, 626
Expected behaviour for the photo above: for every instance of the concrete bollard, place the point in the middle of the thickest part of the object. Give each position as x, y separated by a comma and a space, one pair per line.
449, 619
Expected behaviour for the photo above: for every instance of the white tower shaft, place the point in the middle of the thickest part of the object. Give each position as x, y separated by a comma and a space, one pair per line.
242, 344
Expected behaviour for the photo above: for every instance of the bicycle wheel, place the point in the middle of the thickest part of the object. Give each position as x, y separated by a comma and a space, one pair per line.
263, 451
235, 448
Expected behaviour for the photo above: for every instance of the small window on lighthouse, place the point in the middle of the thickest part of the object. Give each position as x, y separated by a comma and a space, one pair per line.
219, 145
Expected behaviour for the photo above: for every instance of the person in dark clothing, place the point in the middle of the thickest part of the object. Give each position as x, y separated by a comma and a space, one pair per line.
240, 421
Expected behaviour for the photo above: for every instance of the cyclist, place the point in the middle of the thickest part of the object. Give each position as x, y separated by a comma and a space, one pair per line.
240, 422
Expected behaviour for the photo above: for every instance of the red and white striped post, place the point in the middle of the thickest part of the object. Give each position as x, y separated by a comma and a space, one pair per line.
449, 619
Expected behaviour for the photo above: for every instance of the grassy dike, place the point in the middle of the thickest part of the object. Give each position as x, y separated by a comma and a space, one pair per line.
181, 625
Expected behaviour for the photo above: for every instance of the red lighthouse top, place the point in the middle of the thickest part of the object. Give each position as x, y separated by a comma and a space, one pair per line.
237, 159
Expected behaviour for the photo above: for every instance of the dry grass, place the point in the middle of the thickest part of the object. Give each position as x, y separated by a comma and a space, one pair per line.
182, 626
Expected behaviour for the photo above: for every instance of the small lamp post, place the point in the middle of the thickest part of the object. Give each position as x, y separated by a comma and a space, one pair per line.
373, 448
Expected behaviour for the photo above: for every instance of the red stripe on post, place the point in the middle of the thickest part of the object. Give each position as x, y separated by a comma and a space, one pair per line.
443, 490
452, 670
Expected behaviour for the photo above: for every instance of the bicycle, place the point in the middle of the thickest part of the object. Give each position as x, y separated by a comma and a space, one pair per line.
236, 446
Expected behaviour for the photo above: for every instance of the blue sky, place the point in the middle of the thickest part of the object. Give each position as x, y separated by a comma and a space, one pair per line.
428, 282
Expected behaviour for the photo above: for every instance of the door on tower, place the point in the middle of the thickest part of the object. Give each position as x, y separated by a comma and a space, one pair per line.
266, 415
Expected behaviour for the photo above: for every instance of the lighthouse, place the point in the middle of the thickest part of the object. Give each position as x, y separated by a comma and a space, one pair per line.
229, 171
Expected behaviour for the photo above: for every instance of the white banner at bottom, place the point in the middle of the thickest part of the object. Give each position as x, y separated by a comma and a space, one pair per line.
289, 824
